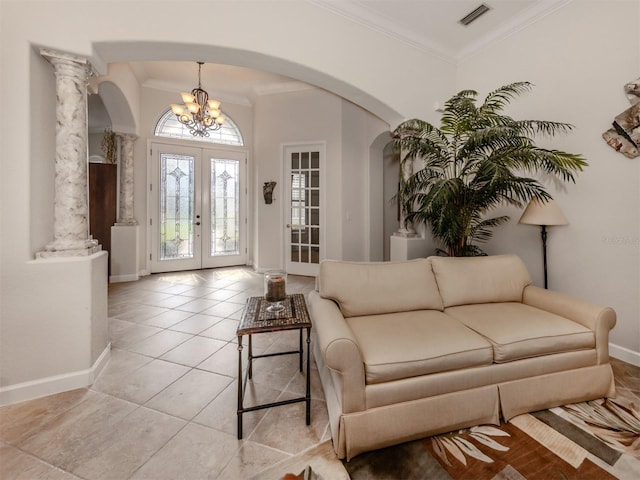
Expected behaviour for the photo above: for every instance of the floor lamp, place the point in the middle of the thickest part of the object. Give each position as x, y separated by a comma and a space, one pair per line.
543, 214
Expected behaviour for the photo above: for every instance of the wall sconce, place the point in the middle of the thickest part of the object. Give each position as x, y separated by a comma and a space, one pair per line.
267, 191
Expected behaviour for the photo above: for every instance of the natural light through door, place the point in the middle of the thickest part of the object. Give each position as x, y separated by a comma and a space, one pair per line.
198, 208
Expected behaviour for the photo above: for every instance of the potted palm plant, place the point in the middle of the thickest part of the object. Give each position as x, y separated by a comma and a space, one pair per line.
474, 163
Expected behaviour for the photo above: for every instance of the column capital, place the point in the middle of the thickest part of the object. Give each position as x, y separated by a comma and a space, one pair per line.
131, 137
68, 63
62, 57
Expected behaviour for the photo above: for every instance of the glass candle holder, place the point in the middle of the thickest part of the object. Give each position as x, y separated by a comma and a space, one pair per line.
275, 290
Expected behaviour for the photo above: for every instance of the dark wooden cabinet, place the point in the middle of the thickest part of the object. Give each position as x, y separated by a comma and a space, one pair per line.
103, 184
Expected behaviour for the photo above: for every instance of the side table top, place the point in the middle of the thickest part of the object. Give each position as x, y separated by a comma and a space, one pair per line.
256, 319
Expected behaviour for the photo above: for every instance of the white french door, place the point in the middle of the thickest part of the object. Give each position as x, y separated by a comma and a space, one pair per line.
303, 193
198, 207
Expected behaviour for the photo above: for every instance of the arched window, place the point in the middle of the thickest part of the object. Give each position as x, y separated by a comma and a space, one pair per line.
169, 126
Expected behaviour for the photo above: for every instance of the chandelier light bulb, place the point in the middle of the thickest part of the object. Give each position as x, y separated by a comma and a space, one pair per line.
188, 98
193, 107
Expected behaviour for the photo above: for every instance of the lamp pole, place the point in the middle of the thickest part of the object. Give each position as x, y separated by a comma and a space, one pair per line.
543, 234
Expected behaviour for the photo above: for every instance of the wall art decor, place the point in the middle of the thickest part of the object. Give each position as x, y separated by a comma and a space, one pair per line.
624, 137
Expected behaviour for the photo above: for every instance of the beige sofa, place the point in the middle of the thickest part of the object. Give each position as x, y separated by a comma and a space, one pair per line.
411, 349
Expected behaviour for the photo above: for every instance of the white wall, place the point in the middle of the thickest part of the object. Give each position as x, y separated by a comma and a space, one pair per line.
360, 163
37, 359
306, 116
36, 174
579, 58
311, 116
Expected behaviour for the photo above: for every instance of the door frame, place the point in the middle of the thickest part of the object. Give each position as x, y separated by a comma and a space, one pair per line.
321, 146
202, 147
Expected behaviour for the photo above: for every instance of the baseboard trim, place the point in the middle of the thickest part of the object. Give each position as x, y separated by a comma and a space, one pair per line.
132, 277
58, 383
624, 354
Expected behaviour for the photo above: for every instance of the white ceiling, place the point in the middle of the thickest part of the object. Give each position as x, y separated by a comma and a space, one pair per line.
431, 25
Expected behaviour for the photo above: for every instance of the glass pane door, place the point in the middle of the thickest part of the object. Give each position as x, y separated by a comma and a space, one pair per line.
225, 207
227, 210
303, 238
197, 208
177, 206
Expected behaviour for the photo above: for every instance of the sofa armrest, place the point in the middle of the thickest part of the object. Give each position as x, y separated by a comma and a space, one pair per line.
340, 350
596, 318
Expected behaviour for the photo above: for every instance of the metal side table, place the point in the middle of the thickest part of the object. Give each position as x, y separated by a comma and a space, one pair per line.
255, 319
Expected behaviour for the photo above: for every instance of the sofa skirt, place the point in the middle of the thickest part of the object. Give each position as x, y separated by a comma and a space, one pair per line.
553, 390
379, 427
392, 424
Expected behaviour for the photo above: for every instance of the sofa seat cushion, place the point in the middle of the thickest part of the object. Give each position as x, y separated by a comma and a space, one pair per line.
520, 331
408, 344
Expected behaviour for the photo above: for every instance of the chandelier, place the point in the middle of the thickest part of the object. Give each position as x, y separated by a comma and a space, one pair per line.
198, 113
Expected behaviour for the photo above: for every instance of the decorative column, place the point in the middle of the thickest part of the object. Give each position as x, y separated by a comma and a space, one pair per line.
406, 170
70, 224
125, 213
406, 243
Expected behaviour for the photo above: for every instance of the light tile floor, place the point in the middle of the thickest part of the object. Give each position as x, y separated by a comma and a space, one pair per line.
165, 405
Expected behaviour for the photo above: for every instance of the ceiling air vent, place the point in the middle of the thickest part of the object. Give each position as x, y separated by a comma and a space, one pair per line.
474, 15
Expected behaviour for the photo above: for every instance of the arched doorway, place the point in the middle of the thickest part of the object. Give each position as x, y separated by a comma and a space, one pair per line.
265, 217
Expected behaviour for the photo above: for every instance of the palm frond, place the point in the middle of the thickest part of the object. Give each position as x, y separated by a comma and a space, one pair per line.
478, 159
498, 99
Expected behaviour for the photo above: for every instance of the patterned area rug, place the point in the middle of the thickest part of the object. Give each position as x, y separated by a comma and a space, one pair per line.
596, 440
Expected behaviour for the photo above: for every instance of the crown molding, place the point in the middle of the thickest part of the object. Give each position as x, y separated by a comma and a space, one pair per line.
174, 88
518, 23
357, 12
284, 87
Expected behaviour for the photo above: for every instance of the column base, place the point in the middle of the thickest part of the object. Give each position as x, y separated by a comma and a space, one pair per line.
405, 234
83, 249
126, 223
125, 253
407, 248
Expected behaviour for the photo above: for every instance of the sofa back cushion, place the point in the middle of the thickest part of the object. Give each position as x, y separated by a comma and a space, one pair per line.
362, 288
468, 280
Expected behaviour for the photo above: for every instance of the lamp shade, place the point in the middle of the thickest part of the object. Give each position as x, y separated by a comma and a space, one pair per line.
539, 213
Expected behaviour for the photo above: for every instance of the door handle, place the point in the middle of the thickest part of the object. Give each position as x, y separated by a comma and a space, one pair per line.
288, 225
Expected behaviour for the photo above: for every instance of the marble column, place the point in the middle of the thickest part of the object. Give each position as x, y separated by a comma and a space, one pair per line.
70, 224
125, 214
